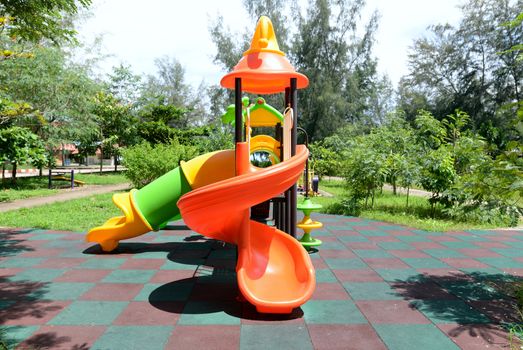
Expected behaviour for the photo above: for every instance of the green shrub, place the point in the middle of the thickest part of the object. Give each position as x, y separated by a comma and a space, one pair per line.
145, 163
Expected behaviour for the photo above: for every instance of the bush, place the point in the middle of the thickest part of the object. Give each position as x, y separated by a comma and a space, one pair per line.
145, 163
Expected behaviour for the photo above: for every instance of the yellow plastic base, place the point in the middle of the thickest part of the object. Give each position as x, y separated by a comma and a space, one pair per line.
130, 225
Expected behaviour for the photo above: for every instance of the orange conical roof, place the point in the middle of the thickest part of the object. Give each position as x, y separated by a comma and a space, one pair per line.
264, 69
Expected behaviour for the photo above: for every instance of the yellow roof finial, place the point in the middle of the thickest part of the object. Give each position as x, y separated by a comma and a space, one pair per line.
264, 39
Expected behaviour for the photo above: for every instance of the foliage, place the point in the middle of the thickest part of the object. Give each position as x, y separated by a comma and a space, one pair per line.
145, 163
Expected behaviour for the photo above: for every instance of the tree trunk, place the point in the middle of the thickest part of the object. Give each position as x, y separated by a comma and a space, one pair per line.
394, 191
13, 179
3, 172
40, 171
115, 162
408, 191
372, 203
63, 155
101, 159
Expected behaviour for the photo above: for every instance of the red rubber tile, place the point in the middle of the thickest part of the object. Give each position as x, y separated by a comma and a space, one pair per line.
443, 239
500, 311
251, 317
422, 290
83, 275
64, 337
319, 264
392, 312
61, 263
142, 264
113, 292
408, 254
26, 313
385, 263
383, 239
361, 245
479, 253
491, 245
363, 275
460, 263
345, 337
346, 233
476, 337
166, 276
7, 272
42, 253
336, 254
139, 313
330, 291
427, 245
401, 233
205, 337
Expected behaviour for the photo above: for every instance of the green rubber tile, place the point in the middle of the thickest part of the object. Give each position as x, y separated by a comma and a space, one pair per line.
509, 252
102, 264
350, 239
46, 237
129, 276
444, 253
372, 253
472, 238
502, 263
398, 275
332, 312
64, 291
332, 245
412, 239
414, 337
13, 335
89, 313
151, 255
167, 239
75, 254
263, 337
322, 233
371, 291
4, 304
391, 227
60, 244
174, 291
450, 311
209, 313
468, 290
395, 246
134, 338
325, 276
345, 264
373, 233
482, 273
518, 245
425, 263
459, 245
187, 264
38, 275
428, 233
20, 262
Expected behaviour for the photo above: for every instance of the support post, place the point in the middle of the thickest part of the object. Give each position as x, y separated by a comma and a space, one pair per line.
50, 183
238, 120
287, 204
294, 189
72, 178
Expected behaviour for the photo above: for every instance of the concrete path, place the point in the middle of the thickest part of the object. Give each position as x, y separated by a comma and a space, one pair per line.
379, 286
64, 195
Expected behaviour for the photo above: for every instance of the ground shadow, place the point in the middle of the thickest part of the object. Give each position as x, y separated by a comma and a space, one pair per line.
481, 304
50, 340
12, 242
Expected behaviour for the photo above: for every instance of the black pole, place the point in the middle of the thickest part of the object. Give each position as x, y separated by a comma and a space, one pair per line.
72, 178
50, 183
238, 120
287, 205
306, 185
294, 189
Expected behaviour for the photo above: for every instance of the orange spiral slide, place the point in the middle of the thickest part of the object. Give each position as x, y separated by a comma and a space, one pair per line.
274, 271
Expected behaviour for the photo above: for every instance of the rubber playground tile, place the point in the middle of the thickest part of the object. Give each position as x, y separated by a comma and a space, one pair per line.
450, 311
187, 264
336, 254
344, 337
27, 313
94, 263
129, 276
142, 264
42, 253
509, 252
17, 262
372, 233
472, 290
166, 276
63, 337
83, 275
332, 245
371, 291
214, 292
372, 253
422, 289
134, 337
351, 239
391, 312
413, 239
464, 263
479, 253
143, 313
361, 245
46, 236
204, 337
472, 238
330, 291
209, 313
385, 263
38, 275
360, 275
61, 263
421, 263
395, 246
89, 313
112, 292
427, 245
489, 245
173, 291
481, 336
275, 337
64, 290
353, 263
502, 263
13, 335
332, 312
409, 253
444, 253
397, 275
414, 337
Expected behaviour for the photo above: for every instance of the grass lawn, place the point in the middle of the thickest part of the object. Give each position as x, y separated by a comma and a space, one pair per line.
74, 215
27, 187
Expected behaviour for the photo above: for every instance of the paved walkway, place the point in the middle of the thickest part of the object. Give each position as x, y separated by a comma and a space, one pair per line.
64, 195
379, 286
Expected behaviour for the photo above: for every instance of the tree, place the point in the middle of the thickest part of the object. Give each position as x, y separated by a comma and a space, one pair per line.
19, 145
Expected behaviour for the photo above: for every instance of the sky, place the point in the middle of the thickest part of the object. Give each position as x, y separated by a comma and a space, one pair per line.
136, 32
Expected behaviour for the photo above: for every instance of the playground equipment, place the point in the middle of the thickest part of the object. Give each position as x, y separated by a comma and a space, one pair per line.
61, 175
214, 192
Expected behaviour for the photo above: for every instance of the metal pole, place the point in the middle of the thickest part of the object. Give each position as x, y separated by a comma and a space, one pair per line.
294, 188
287, 204
306, 185
72, 178
50, 183
238, 120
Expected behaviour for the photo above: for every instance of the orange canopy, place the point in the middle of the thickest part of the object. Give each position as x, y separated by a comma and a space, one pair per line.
264, 69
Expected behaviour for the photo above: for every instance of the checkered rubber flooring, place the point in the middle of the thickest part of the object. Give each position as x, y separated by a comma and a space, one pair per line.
379, 286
